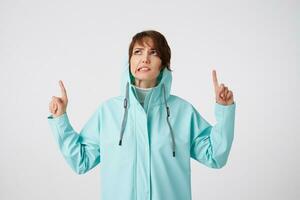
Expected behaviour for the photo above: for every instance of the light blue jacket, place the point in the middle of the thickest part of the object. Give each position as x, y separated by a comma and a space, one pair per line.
144, 154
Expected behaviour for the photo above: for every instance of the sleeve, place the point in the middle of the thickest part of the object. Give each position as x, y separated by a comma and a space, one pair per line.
80, 150
210, 145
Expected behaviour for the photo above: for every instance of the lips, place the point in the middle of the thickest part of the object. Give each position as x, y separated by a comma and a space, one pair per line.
143, 69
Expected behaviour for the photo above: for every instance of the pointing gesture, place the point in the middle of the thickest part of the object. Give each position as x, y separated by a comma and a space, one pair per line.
58, 105
224, 96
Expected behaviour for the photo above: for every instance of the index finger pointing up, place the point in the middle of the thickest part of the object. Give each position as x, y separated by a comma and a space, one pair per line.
63, 90
215, 79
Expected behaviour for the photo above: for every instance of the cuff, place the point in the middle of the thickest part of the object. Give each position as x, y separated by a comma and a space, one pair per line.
225, 111
62, 119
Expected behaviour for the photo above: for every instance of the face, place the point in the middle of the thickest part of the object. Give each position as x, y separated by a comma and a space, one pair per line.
145, 64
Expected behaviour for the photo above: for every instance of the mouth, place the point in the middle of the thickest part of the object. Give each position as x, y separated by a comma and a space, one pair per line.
143, 69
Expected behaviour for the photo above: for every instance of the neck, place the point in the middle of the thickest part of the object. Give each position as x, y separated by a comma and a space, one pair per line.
145, 83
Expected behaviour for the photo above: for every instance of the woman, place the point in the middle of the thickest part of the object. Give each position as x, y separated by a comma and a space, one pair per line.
145, 137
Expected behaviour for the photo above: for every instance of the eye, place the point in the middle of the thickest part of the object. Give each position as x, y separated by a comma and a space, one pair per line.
136, 52
154, 52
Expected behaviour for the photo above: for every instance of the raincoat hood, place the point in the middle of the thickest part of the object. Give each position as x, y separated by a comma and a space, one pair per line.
163, 80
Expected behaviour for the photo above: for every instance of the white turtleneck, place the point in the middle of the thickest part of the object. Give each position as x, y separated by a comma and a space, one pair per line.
142, 93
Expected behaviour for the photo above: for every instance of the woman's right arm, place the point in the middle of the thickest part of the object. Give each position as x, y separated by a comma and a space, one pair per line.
81, 150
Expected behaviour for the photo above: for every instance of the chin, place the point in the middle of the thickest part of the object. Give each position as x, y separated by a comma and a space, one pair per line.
148, 76
143, 78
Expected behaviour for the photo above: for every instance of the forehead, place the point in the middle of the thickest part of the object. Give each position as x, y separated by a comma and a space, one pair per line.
144, 42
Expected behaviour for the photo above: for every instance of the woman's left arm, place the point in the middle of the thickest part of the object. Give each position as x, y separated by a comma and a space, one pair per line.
211, 145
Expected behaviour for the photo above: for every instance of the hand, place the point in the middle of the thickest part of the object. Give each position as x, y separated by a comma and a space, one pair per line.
58, 105
224, 96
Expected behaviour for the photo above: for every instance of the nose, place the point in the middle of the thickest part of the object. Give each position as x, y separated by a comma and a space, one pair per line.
145, 58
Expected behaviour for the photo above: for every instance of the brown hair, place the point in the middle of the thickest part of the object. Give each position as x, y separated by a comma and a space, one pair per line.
160, 44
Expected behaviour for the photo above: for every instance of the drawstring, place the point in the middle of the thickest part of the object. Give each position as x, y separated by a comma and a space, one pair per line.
168, 115
126, 113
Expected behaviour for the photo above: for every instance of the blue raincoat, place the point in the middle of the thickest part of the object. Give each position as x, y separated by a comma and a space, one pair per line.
144, 153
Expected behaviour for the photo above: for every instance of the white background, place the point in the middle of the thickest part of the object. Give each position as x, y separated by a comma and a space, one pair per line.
253, 45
